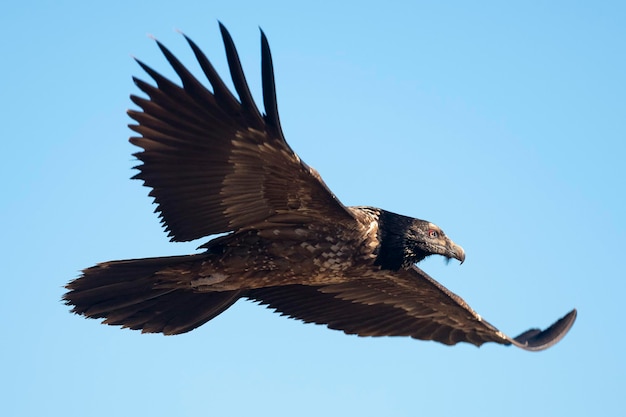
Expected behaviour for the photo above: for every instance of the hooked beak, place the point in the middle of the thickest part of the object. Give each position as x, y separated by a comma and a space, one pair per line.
456, 252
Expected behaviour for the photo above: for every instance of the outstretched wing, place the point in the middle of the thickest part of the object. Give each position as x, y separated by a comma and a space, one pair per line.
402, 303
214, 162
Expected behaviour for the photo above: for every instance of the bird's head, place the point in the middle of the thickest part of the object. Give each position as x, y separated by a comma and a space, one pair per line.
405, 241
425, 238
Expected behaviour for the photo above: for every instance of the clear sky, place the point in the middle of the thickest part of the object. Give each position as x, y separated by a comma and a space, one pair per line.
502, 122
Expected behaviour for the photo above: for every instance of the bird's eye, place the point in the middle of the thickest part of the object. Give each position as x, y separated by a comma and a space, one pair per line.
433, 233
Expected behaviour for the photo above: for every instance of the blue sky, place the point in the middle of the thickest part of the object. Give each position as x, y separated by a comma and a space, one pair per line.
502, 123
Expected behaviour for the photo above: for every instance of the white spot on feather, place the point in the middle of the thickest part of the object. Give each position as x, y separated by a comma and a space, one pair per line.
209, 280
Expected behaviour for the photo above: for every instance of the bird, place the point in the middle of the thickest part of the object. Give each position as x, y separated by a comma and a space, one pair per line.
217, 167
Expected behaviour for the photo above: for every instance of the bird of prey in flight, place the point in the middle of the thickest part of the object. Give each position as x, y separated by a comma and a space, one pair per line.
217, 165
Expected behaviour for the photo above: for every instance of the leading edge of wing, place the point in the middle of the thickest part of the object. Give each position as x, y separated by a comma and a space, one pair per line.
532, 340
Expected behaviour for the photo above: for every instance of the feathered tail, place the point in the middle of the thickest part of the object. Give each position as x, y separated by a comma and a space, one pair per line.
128, 293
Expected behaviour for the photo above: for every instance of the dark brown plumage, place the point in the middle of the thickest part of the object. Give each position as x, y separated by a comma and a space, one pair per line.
217, 165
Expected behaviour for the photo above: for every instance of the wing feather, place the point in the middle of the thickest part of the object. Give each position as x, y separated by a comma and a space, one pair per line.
269, 90
239, 80
214, 163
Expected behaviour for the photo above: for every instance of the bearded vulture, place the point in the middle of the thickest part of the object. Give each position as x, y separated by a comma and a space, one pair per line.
217, 165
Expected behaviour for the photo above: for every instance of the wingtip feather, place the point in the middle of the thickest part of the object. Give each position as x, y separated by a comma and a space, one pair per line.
535, 339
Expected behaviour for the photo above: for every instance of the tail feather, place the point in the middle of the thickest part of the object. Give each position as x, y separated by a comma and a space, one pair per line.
127, 293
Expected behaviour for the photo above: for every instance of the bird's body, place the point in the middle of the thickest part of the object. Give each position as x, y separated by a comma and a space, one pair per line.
217, 165
308, 254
